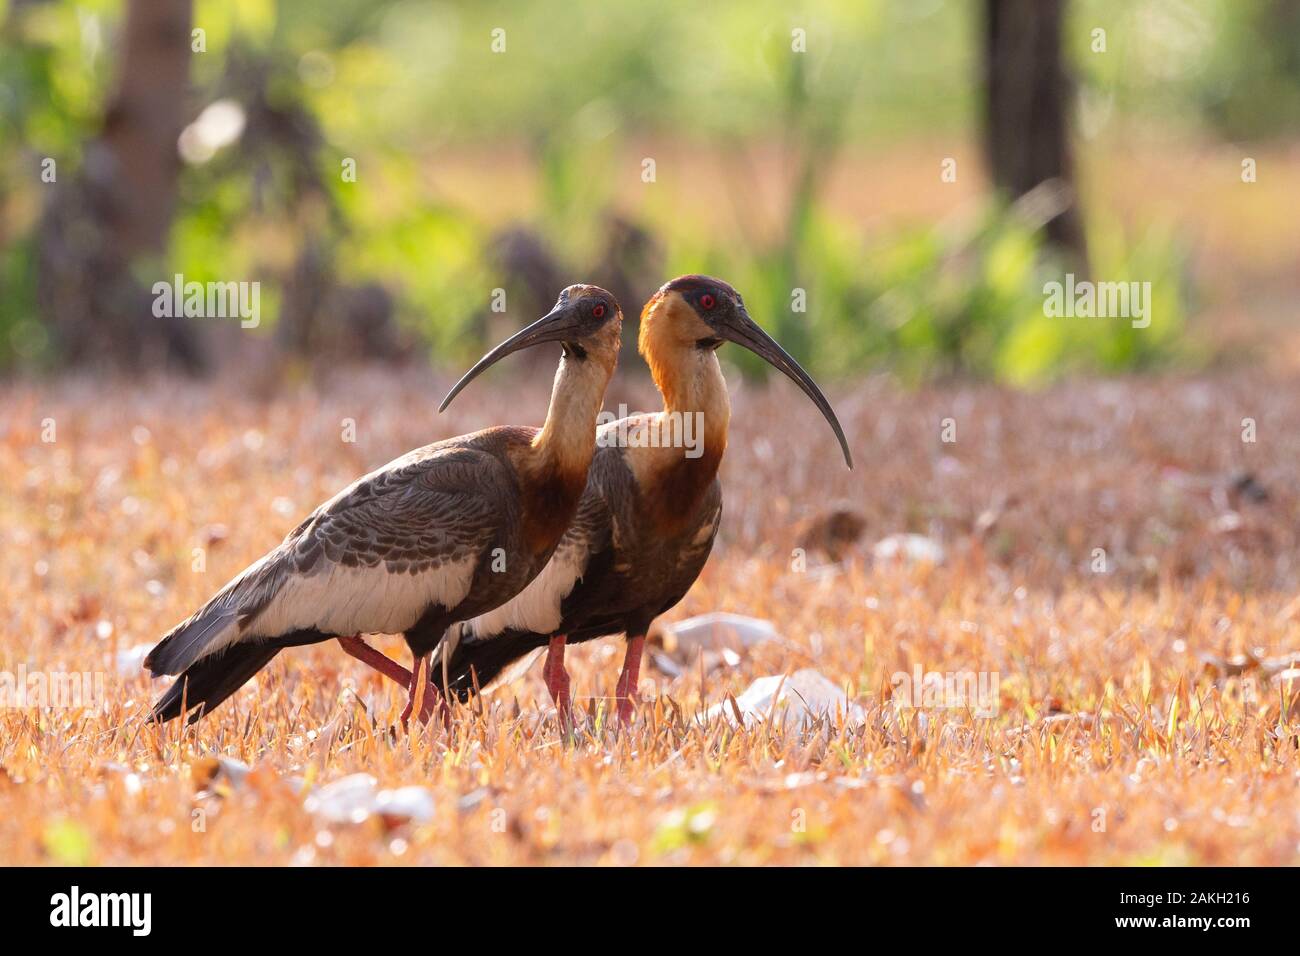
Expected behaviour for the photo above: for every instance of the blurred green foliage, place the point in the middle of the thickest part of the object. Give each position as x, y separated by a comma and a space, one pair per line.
390, 85
968, 299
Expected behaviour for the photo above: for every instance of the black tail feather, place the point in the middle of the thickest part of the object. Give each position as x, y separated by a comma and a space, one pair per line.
212, 679
483, 661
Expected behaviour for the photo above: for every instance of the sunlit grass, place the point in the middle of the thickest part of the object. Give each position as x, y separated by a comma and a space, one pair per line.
1124, 732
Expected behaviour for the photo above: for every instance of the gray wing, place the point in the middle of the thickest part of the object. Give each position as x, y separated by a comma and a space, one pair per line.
373, 559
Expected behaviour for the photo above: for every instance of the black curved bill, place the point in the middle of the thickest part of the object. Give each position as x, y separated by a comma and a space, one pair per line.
745, 331
557, 325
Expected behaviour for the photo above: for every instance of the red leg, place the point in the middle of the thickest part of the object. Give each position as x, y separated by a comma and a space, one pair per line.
376, 659
411, 686
431, 701
628, 680
557, 678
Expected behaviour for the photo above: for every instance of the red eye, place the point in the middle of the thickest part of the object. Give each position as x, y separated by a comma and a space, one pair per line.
598, 310
706, 301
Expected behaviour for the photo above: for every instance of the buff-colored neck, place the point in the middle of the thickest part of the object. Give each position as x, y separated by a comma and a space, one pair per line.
567, 439
688, 377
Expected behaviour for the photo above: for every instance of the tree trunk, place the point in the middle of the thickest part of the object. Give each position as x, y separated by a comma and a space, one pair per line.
1027, 105
119, 206
145, 118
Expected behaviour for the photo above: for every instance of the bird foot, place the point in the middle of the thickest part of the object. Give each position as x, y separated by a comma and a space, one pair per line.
625, 692
625, 711
557, 680
430, 699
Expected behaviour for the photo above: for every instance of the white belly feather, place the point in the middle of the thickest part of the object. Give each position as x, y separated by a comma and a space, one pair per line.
536, 607
356, 600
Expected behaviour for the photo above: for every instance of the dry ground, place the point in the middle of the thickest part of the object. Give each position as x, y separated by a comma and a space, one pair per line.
1125, 731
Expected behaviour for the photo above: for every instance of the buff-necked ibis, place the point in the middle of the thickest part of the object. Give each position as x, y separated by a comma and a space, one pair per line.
440, 535
646, 522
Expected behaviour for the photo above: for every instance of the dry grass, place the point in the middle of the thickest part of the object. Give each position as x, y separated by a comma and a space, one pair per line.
1158, 746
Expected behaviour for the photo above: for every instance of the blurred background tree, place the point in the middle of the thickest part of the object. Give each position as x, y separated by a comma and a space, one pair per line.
382, 169
1028, 96
115, 210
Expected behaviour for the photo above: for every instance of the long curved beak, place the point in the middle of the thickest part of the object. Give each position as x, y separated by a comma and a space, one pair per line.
556, 326
745, 331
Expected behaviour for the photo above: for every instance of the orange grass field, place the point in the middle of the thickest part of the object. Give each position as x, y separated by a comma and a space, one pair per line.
1145, 712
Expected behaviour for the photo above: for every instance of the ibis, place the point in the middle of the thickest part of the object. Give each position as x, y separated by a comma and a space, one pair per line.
443, 534
647, 520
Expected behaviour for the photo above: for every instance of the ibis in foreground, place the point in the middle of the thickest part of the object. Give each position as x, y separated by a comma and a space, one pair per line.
647, 520
440, 535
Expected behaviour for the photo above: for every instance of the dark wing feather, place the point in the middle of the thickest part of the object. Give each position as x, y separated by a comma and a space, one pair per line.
210, 681
420, 512
436, 509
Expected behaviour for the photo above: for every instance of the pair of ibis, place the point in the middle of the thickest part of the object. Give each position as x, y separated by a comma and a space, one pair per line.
486, 547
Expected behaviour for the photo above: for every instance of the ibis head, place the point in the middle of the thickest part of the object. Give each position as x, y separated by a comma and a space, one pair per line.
702, 313
586, 321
